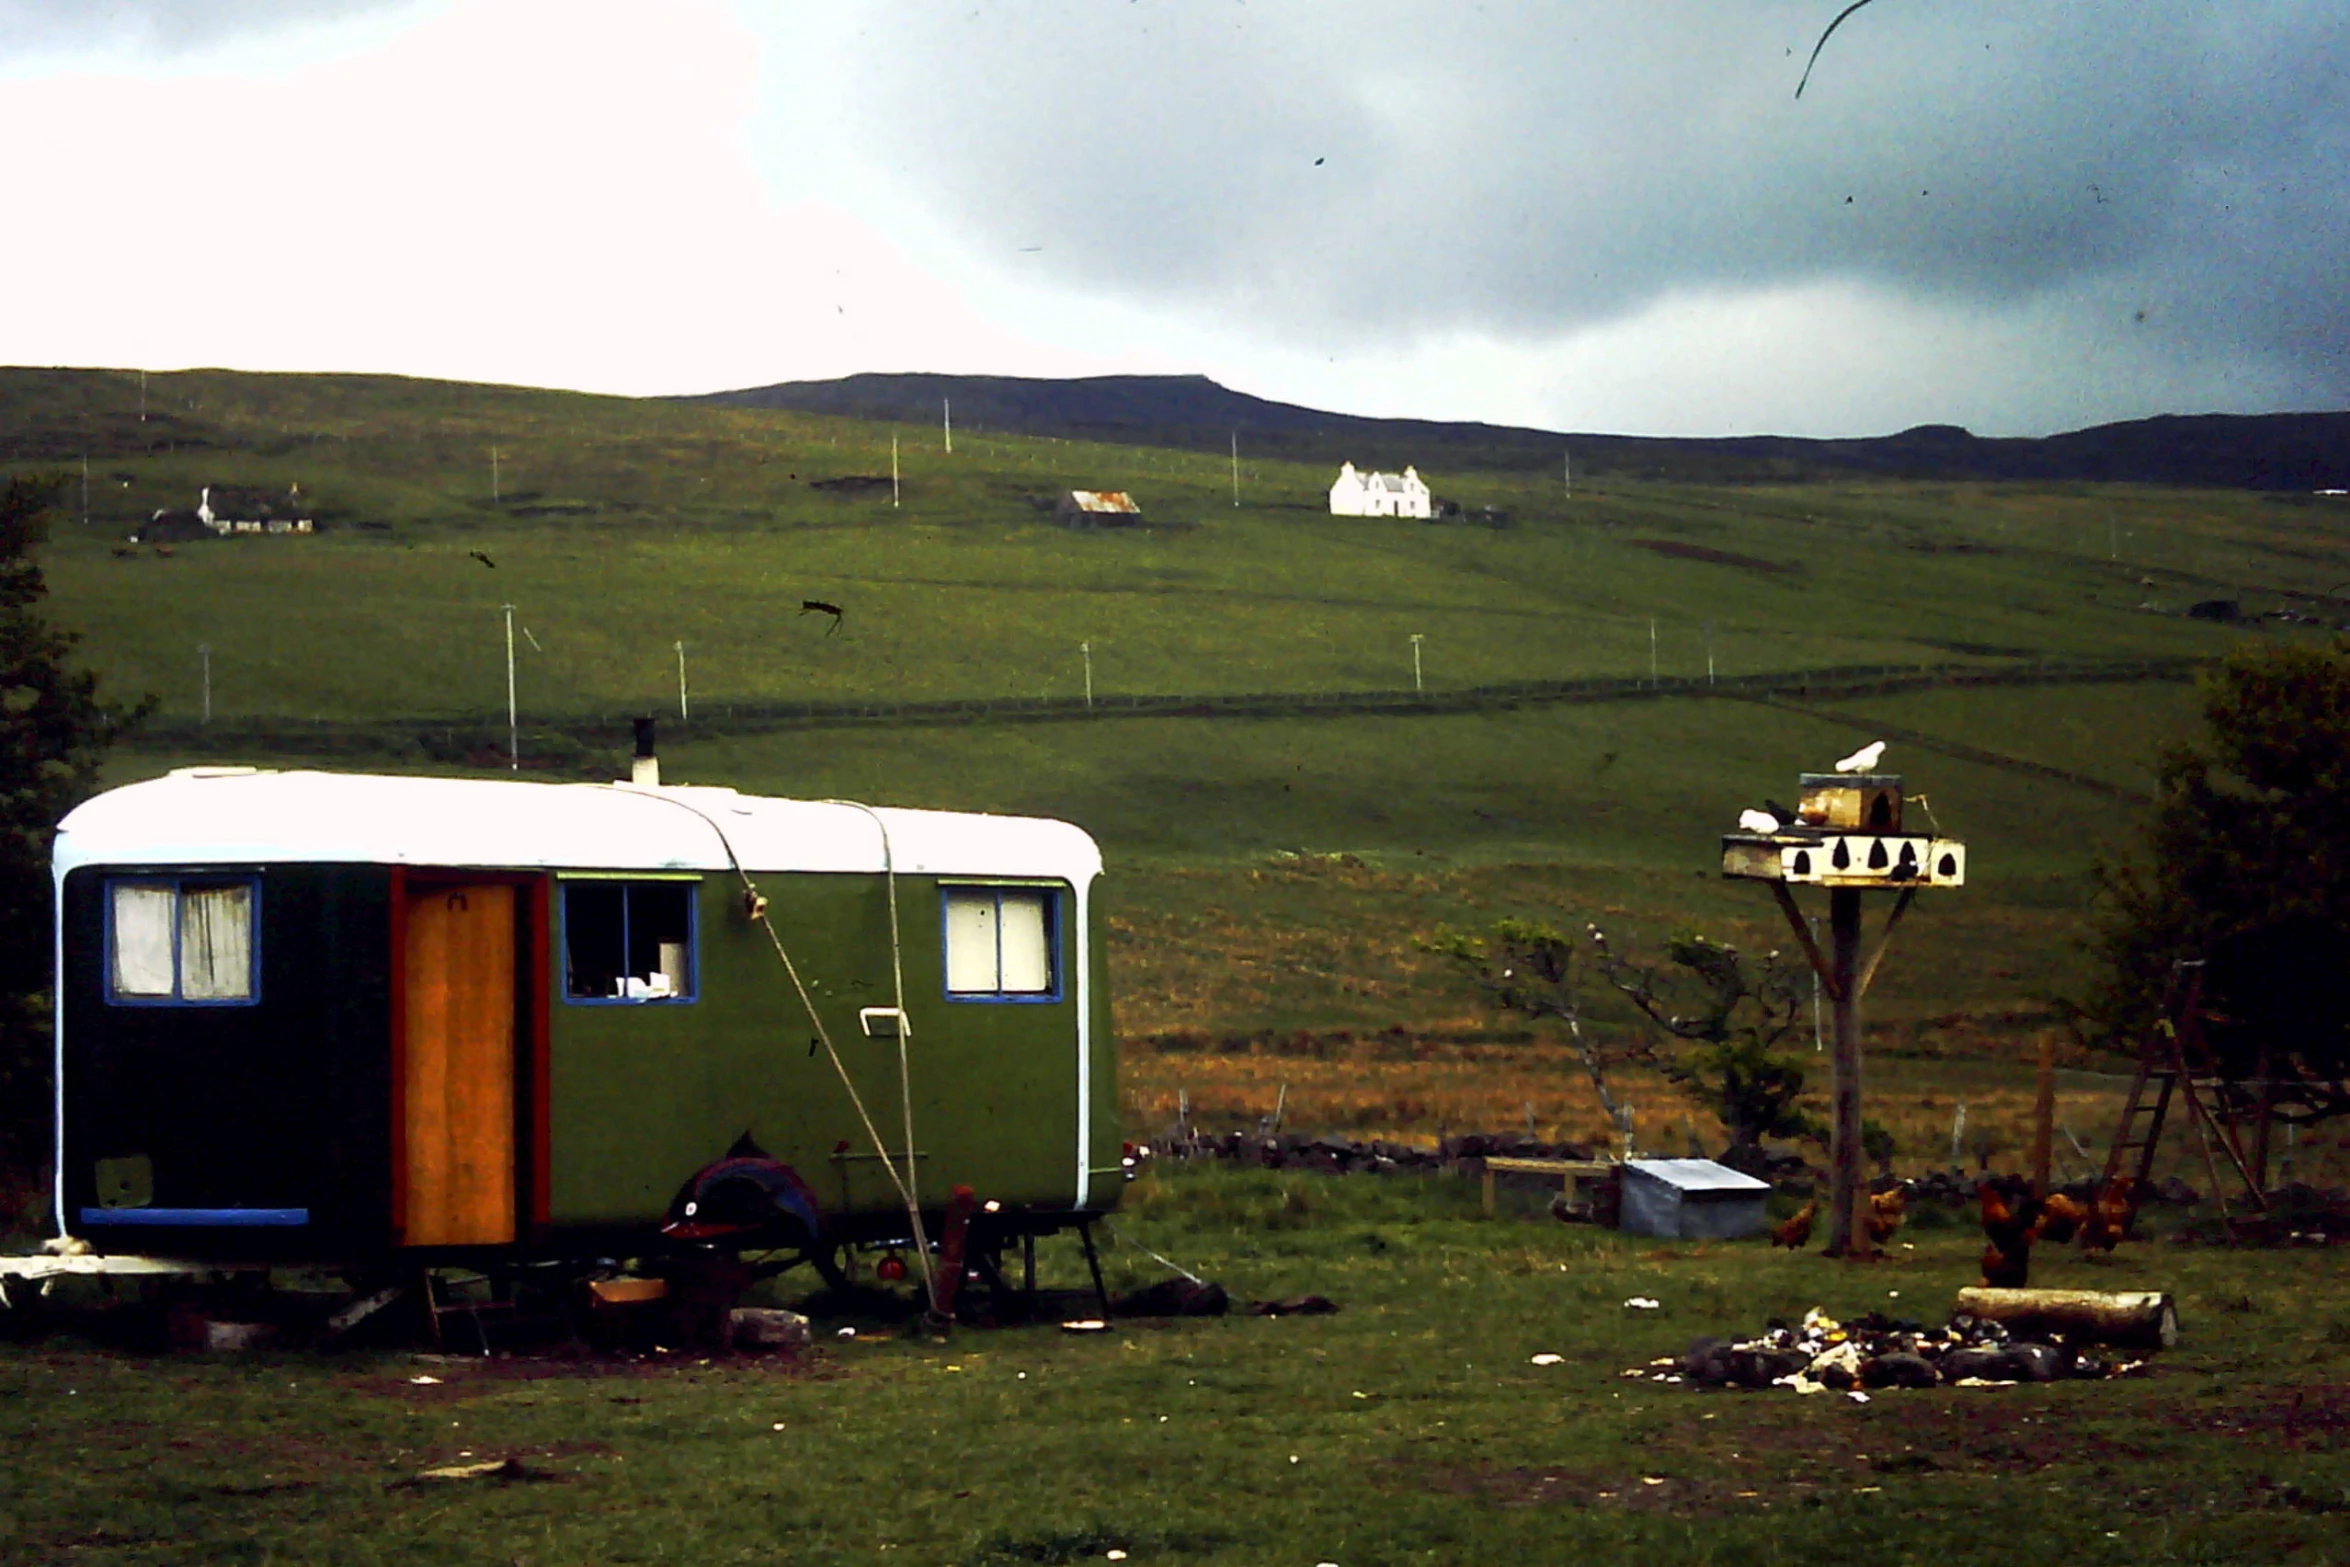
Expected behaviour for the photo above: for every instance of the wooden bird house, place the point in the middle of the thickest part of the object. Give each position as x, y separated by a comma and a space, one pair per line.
1846, 833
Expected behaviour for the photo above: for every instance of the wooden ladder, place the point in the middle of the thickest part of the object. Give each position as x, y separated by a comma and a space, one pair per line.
2140, 1128
2164, 1069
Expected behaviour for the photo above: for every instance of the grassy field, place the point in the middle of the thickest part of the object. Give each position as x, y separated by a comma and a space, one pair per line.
1270, 875
623, 527
1411, 1427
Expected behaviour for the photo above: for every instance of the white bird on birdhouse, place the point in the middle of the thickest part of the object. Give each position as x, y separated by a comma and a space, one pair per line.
1758, 821
1863, 760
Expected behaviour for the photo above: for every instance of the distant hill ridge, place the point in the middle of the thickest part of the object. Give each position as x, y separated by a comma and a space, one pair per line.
2287, 451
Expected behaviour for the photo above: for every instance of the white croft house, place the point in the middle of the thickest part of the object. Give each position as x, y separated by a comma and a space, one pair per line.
1360, 494
254, 511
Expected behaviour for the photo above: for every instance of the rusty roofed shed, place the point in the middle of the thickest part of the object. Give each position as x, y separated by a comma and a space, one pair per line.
1097, 509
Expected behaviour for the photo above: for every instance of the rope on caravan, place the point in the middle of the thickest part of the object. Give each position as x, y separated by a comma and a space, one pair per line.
757, 908
897, 979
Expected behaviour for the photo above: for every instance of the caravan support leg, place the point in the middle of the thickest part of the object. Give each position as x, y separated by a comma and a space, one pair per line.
1093, 1261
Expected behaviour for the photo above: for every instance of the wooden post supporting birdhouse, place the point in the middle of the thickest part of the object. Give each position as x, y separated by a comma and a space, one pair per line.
1847, 837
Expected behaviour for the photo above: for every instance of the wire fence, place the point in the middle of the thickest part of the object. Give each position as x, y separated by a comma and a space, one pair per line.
456, 735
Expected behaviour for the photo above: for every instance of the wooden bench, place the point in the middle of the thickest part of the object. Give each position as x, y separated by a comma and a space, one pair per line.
1569, 1171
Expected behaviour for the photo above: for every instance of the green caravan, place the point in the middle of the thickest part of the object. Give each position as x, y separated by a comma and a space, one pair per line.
344, 1017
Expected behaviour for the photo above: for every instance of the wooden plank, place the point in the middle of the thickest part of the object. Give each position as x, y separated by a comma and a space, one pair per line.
459, 1068
1549, 1166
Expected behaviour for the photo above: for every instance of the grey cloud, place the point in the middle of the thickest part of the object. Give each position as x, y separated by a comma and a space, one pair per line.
31, 28
1532, 169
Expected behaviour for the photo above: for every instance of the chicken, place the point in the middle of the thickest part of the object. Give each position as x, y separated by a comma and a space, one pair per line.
2006, 1270
1795, 1232
2109, 1216
2009, 1213
1886, 1210
2060, 1217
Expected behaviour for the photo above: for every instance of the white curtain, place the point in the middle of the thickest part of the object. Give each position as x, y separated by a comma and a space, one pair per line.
1025, 942
971, 957
142, 940
216, 943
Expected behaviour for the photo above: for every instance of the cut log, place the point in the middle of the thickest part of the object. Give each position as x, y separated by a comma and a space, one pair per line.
2143, 1321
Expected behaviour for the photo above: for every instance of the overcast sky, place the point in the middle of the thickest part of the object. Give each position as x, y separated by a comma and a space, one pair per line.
2016, 215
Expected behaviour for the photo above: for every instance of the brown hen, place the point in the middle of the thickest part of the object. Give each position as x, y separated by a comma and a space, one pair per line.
2060, 1217
2109, 1215
1794, 1232
1886, 1210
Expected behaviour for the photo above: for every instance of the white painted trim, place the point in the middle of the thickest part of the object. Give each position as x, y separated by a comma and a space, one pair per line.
57, 1047
1083, 991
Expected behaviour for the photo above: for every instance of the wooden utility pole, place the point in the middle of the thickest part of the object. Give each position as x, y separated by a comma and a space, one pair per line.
1846, 1233
2044, 1116
1846, 837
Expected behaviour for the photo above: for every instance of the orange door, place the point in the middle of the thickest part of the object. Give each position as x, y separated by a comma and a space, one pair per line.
458, 1074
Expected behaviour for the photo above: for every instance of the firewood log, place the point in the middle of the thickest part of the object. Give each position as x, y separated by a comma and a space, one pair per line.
2144, 1320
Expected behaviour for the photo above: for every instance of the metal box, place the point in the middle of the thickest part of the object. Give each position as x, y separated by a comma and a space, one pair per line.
1690, 1199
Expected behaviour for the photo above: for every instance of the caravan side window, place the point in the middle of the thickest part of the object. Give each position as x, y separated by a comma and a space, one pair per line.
1003, 944
628, 941
183, 941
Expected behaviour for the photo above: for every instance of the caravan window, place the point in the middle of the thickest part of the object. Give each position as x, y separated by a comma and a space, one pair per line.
183, 941
628, 941
1002, 944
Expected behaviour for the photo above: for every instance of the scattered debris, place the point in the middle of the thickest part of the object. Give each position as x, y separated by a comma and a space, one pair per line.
1874, 1351
361, 1309
626, 1291
1642, 1303
192, 1332
764, 1327
501, 1469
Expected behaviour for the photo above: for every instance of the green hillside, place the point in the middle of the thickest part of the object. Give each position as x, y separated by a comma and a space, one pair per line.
619, 528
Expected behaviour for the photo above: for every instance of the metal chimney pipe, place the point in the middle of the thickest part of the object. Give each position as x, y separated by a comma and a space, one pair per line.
646, 770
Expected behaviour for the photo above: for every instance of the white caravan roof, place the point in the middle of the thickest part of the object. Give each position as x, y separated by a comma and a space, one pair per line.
245, 816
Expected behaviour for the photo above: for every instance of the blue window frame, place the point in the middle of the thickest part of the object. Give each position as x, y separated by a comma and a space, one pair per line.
183, 941
1002, 943
629, 942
